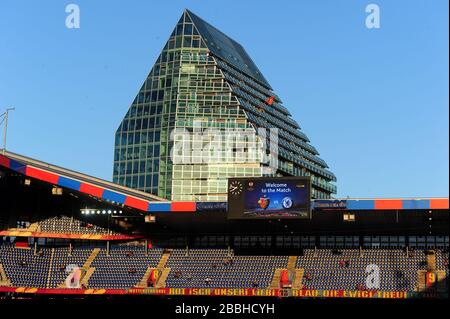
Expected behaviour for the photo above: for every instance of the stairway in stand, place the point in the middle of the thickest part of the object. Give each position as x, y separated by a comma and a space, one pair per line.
86, 271
143, 282
298, 278
162, 271
292, 261
4, 281
50, 268
431, 260
164, 258
275, 283
431, 274
161, 283
87, 275
295, 273
91, 258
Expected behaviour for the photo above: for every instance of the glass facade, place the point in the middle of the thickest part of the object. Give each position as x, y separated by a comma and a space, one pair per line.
203, 92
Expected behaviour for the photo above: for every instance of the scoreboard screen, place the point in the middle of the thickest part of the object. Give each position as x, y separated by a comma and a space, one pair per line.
269, 198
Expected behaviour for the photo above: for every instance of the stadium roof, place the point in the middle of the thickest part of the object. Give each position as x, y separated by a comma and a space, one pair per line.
146, 202
82, 183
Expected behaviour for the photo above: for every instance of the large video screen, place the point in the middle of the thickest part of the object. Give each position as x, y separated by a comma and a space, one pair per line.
269, 197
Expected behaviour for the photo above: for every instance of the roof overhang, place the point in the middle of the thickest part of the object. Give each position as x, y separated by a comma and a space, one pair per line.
149, 203
99, 188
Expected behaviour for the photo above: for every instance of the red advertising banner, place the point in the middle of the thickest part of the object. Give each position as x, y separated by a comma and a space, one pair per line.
247, 292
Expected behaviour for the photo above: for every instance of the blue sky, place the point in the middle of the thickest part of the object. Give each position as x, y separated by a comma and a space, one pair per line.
374, 102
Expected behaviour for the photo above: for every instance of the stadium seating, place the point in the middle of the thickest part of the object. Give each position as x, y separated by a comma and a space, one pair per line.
23, 268
126, 266
68, 225
123, 268
62, 260
327, 270
214, 268
442, 261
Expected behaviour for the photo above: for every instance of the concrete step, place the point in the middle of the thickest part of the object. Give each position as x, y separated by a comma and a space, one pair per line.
161, 283
275, 283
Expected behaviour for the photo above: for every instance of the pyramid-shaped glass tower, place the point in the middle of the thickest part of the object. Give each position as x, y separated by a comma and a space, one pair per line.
204, 94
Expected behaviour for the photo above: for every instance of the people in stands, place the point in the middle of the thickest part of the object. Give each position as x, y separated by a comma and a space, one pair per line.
129, 253
228, 261
132, 270
189, 277
255, 284
208, 280
177, 274
361, 287
23, 263
344, 263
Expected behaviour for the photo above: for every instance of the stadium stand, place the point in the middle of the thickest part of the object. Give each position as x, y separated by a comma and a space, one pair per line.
128, 266
24, 268
346, 269
68, 225
124, 267
442, 260
217, 268
63, 258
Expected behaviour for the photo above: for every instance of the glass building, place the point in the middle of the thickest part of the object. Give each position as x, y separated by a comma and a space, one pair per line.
204, 114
